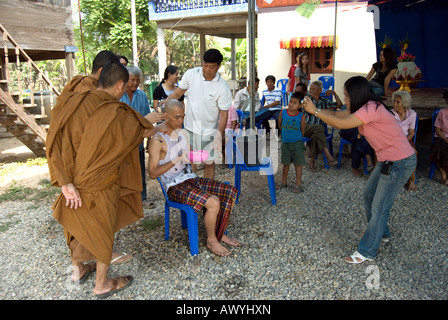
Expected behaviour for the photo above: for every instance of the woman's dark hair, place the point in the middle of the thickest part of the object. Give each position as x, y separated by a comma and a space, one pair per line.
359, 91
307, 71
168, 70
389, 58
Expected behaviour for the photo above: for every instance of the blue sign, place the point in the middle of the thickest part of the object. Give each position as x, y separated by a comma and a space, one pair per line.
71, 49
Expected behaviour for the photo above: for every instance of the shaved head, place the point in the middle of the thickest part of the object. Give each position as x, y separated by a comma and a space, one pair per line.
172, 105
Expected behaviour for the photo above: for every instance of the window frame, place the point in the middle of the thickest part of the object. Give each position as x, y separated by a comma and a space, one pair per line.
321, 59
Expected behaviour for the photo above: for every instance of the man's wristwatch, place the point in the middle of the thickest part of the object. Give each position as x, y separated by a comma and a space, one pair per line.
315, 113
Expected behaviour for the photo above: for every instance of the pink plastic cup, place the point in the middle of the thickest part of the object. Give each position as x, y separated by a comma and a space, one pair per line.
198, 156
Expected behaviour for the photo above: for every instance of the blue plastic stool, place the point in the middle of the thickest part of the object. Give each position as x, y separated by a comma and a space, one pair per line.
189, 219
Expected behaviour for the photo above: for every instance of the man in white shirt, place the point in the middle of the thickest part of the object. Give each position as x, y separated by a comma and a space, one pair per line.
242, 100
207, 104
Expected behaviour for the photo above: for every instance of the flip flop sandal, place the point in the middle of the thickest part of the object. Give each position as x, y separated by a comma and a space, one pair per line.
92, 269
115, 261
124, 282
280, 186
297, 189
355, 256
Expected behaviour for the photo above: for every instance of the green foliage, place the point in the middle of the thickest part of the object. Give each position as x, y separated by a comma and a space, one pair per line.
107, 25
45, 192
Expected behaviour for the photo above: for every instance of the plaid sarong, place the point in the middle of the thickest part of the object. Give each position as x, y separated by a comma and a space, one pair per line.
195, 192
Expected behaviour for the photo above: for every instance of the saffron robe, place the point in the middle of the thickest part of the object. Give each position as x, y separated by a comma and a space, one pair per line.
81, 83
93, 143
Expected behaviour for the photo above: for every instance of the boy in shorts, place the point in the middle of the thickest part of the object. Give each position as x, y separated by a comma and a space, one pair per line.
292, 122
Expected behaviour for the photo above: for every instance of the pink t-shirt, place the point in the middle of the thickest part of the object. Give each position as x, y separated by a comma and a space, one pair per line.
232, 116
383, 133
442, 122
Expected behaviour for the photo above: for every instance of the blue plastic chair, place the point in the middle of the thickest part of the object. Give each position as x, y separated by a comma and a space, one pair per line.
329, 137
234, 155
189, 219
433, 165
341, 148
282, 83
328, 83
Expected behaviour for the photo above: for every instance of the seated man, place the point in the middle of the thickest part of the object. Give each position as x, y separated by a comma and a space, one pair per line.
272, 106
315, 129
242, 100
167, 159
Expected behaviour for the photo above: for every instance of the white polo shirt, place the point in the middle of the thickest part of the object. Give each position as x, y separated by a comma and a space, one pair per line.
204, 100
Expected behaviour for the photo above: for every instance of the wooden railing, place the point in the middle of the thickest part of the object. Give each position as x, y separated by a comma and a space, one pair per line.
21, 76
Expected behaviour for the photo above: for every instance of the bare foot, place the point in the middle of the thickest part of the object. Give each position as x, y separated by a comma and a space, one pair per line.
218, 248
412, 186
230, 241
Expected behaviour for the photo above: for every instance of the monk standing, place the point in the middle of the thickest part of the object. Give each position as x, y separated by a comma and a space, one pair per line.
92, 140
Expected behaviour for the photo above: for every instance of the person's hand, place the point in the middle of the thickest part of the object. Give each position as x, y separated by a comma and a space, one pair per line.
329, 92
72, 197
181, 158
309, 106
155, 117
217, 144
162, 127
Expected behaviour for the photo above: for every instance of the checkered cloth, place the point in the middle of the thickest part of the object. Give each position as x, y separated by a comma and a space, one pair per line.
196, 192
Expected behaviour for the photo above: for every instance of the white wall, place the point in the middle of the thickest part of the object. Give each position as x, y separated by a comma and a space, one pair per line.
356, 51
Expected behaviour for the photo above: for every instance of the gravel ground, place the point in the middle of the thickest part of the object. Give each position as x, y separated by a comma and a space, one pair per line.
290, 251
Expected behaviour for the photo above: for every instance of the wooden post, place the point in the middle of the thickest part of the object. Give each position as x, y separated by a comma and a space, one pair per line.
70, 64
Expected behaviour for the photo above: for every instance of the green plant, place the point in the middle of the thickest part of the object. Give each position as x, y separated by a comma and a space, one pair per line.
151, 224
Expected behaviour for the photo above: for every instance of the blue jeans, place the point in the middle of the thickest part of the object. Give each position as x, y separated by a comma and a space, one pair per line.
379, 195
377, 88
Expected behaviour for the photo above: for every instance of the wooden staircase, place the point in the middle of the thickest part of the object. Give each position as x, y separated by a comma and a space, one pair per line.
28, 120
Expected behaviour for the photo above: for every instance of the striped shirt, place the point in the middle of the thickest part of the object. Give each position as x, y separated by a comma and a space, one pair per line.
321, 104
271, 96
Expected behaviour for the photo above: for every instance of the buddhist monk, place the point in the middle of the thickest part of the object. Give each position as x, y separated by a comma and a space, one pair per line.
93, 156
82, 83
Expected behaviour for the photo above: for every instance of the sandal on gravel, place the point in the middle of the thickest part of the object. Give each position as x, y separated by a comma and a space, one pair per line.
333, 163
124, 258
297, 189
280, 186
92, 269
120, 284
357, 258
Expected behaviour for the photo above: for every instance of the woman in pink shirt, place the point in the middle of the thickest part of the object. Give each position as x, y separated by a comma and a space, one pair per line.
396, 158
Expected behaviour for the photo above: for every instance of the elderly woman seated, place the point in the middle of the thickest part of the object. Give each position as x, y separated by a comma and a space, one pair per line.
439, 149
406, 117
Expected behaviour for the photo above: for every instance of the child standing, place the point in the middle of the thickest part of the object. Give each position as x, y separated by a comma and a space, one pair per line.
292, 122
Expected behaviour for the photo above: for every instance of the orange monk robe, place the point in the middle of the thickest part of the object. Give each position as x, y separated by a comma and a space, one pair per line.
93, 143
81, 83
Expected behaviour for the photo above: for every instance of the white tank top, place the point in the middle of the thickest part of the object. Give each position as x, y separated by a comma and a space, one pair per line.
181, 171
